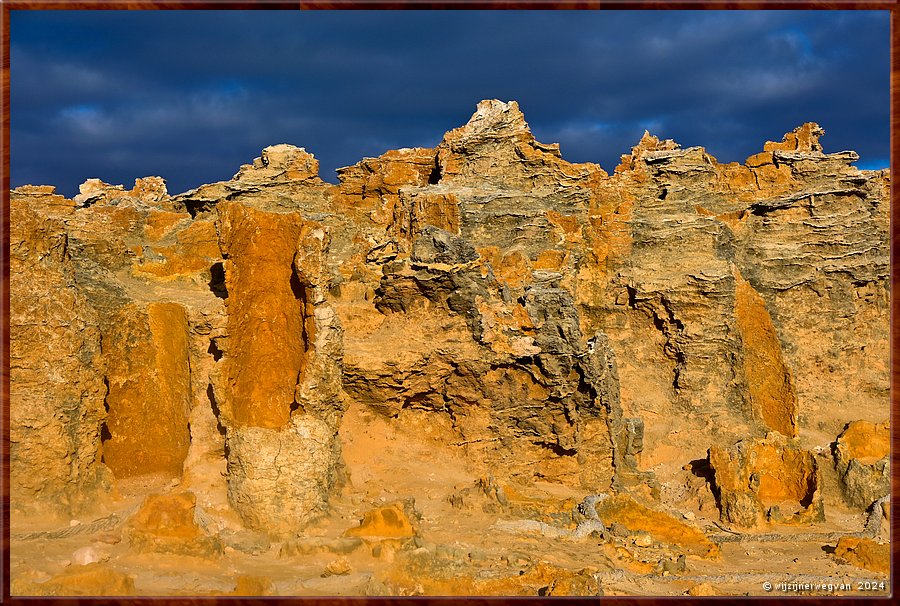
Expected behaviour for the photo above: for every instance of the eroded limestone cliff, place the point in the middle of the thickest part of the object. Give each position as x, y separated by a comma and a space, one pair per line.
689, 337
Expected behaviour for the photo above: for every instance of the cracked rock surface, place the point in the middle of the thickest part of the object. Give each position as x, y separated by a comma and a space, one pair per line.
261, 380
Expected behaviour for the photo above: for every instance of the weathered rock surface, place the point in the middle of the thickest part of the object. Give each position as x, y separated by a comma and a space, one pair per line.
279, 387
388, 522
56, 365
767, 479
863, 462
91, 580
166, 524
537, 322
660, 527
864, 553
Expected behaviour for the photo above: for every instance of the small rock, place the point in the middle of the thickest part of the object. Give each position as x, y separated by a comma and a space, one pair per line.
643, 540
389, 521
246, 541
251, 585
477, 555
862, 460
864, 553
90, 580
108, 538
337, 567
73, 523
89, 555
702, 589
165, 523
308, 545
688, 515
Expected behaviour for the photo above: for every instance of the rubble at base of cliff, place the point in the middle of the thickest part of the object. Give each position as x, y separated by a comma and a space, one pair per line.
477, 369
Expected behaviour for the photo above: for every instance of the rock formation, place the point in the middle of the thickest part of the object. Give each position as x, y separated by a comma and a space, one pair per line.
541, 321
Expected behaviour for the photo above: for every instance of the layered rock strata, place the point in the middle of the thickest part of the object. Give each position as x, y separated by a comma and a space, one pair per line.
548, 320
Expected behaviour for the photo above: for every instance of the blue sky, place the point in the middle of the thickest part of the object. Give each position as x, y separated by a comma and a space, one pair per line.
192, 95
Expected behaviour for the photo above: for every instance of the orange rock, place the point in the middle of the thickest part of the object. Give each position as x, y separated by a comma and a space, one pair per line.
388, 522
159, 223
702, 589
35, 190
865, 441
252, 585
280, 163
270, 328
759, 159
661, 526
195, 249
150, 189
610, 217
514, 268
496, 146
865, 553
552, 260
165, 523
149, 396
370, 190
278, 384
82, 581
804, 138
769, 380
438, 209
862, 460
568, 226
56, 370
620, 557
648, 143
435, 577
767, 477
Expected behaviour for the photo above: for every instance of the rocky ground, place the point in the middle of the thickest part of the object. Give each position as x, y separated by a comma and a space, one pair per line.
471, 370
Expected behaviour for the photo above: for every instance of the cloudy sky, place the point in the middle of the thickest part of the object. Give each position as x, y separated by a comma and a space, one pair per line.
192, 95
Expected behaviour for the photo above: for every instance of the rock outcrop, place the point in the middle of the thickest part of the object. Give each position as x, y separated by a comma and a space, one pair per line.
767, 479
278, 388
542, 321
863, 462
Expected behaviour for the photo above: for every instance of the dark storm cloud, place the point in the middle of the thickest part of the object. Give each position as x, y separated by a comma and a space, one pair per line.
191, 95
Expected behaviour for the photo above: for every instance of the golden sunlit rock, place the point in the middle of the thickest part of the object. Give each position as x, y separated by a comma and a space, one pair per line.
475, 368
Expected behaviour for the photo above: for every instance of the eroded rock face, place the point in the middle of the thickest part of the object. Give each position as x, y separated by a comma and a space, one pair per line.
166, 524
864, 553
863, 462
281, 412
149, 398
520, 385
545, 320
767, 479
56, 365
144, 328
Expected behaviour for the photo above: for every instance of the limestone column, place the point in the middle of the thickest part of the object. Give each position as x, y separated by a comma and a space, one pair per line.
278, 388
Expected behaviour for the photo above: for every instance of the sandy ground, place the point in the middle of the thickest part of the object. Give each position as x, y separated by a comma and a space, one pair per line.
466, 541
